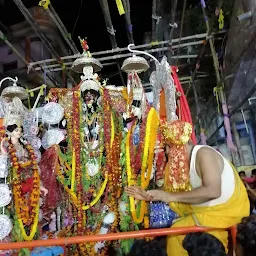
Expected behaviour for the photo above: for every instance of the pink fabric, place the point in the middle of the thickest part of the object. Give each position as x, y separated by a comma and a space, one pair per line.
249, 180
228, 129
184, 107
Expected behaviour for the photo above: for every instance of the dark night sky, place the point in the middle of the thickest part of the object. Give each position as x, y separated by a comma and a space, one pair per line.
84, 18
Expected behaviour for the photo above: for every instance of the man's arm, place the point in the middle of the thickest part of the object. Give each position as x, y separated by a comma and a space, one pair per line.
210, 166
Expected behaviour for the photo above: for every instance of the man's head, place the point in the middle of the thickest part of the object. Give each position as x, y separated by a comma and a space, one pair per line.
151, 248
246, 235
253, 175
242, 174
203, 244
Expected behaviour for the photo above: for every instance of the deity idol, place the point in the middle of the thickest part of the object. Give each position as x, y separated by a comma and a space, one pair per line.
25, 180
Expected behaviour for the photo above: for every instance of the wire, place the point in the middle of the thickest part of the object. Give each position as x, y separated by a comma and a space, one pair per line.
77, 18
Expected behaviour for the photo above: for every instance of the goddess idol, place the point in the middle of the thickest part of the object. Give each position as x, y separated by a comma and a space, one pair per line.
23, 176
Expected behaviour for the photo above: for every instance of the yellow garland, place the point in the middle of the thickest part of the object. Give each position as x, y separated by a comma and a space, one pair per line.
149, 146
18, 202
112, 130
62, 179
97, 198
33, 229
147, 163
20, 220
73, 195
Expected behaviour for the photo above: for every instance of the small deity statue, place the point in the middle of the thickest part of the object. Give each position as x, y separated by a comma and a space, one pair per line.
14, 144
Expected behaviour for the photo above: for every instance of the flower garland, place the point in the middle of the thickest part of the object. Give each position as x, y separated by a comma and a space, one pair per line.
77, 149
149, 149
131, 182
147, 163
26, 209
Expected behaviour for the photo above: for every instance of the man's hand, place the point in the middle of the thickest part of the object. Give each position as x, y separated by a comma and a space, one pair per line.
138, 193
160, 195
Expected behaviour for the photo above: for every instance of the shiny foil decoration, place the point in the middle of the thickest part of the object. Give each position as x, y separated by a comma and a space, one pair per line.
4, 167
5, 195
15, 91
162, 79
5, 226
176, 135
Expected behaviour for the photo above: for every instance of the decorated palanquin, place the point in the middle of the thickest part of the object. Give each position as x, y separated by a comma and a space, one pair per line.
105, 152
98, 139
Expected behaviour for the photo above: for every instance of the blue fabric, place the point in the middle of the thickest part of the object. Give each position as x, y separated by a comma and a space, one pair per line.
47, 251
161, 215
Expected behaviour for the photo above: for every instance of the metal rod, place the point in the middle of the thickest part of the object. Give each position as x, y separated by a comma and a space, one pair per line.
112, 51
173, 26
62, 26
118, 56
107, 237
40, 34
62, 32
126, 4
181, 25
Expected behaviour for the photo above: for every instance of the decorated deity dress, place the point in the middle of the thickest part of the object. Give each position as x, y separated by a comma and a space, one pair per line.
24, 180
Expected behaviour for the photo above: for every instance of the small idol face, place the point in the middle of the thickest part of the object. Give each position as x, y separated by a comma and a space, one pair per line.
17, 133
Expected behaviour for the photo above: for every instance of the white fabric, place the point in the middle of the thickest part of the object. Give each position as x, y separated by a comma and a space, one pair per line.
227, 179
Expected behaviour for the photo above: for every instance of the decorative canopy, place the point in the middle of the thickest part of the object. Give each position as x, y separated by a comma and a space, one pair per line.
14, 90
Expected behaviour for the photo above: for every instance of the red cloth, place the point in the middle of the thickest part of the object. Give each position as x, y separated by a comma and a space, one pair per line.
185, 114
27, 185
48, 177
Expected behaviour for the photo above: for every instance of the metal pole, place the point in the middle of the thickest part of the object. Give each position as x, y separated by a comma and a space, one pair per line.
118, 56
118, 50
63, 26
65, 36
111, 31
219, 84
173, 26
238, 145
40, 34
127, 9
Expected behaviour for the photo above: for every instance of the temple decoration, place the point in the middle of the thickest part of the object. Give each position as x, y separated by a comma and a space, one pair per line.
176, 135
14, 90
162, 79
86, 60
95, 139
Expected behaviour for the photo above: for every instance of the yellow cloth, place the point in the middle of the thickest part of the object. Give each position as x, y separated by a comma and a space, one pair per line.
220, 216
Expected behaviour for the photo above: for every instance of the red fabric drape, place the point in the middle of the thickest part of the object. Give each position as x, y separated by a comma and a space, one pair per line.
48, 165
185, 114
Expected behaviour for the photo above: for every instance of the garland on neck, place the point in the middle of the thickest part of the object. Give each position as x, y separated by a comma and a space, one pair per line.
26, 207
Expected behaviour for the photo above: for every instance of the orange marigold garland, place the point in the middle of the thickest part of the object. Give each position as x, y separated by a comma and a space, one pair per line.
26, 207
77, 151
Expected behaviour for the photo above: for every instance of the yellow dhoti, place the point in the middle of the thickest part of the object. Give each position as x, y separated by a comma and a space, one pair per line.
220, 216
